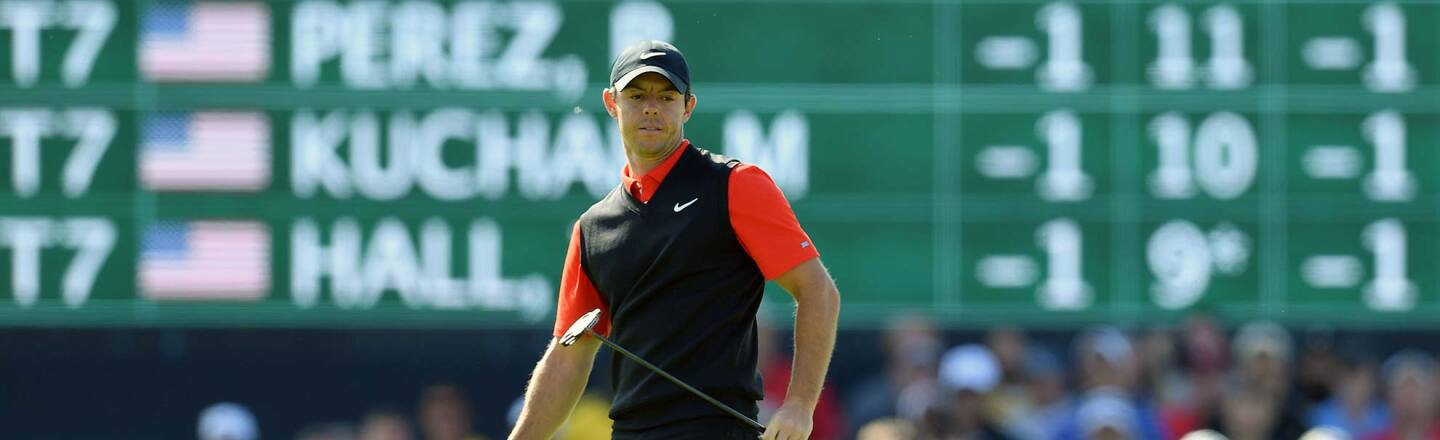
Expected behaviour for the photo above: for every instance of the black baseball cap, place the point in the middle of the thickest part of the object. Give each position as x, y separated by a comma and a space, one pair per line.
651, 56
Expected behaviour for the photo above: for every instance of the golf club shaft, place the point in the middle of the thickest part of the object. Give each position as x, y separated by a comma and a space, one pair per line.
662, 373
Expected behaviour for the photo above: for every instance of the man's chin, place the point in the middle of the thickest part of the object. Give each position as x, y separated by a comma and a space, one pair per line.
652, 146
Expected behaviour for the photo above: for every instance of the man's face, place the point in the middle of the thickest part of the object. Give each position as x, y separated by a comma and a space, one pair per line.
651, 113
1413, 394
1249, 416
444, 414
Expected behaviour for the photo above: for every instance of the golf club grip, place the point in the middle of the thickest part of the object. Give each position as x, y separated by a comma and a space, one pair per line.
673, 379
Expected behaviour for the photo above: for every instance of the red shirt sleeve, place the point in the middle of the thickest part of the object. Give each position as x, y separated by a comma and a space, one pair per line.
765, 224
577, 295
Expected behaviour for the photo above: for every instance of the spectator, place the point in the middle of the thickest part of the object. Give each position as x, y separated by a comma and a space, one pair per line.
1318, 367
926, 408
1107, 360
1165, 384
445, 414
1048, 403
1205, 345
1207, 401
227, 421
1354, 407
1009, 345
1107, 414
386, 424
1263, 352
912, 349
1107, 363
970, 372
1410, 378
1251, 415
1162, 379
1207, 361
1010, 398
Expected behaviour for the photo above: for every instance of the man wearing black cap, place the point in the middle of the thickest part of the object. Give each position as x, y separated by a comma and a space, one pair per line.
676, 258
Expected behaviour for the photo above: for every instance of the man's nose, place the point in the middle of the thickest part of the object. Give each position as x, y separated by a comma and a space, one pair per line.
651, 107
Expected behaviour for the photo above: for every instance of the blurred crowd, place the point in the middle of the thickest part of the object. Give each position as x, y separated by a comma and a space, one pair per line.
1194, 380
442, 413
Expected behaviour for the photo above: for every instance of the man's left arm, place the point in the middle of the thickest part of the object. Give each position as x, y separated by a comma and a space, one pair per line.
770, 233
817, 311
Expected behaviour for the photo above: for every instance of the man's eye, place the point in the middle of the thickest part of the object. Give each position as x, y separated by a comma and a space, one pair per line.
669, 98
634, 97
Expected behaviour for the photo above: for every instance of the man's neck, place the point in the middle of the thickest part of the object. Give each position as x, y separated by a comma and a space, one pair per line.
642, 164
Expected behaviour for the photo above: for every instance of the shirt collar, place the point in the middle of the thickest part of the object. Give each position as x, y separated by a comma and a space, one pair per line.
645, 187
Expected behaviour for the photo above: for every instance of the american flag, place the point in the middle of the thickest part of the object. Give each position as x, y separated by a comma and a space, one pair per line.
205, 260
205, 151
205, 41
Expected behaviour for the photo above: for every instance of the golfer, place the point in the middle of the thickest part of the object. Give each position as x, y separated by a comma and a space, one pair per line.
676, 259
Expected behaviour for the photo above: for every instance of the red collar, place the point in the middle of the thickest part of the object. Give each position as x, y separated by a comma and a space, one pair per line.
644, 188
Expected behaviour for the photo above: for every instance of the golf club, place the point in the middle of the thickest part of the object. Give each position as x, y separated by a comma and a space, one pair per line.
586, 323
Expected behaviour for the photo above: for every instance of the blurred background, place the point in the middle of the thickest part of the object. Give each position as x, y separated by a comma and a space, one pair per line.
336, 219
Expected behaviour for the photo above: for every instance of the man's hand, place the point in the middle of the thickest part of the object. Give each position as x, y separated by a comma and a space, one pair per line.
791, 422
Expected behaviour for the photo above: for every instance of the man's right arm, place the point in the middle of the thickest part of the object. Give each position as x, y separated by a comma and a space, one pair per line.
562, 373
554, 388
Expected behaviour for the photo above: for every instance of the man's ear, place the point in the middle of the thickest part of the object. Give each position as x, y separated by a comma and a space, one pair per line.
608, 96
690, 107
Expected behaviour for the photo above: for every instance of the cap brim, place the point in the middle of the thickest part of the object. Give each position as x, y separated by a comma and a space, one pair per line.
625, 80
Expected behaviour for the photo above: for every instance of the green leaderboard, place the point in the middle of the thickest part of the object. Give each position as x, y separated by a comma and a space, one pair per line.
324, 163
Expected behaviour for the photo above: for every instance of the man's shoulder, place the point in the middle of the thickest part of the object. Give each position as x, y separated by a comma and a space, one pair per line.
609, 202
717, 160
741, 175
730, 164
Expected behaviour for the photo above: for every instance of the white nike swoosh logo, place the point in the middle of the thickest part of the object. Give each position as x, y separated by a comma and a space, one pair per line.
679, 207
651, 54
